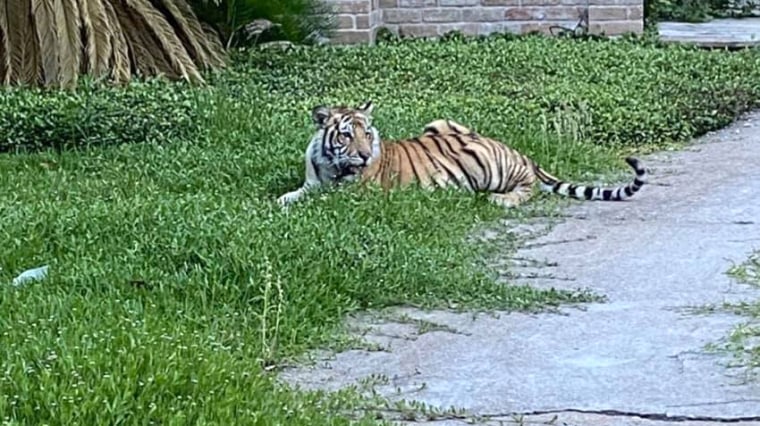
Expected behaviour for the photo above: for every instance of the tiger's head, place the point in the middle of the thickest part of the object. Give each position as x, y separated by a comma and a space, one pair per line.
348, 139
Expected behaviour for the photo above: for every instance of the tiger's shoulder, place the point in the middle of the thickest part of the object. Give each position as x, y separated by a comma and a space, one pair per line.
443, 127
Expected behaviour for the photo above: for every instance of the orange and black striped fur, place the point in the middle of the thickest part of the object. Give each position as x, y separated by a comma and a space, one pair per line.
445, 154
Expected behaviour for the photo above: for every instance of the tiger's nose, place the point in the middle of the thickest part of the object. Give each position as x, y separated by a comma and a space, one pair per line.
364, 156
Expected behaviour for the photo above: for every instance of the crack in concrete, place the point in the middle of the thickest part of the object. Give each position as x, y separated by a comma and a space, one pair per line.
700, 404
563, 241
648, 416
661, 417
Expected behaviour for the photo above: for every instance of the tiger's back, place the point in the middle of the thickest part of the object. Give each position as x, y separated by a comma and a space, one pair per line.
464, 160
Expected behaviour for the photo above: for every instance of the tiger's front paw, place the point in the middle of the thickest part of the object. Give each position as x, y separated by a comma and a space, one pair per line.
288, 198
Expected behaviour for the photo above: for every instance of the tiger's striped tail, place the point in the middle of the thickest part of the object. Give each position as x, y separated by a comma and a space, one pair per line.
550, 183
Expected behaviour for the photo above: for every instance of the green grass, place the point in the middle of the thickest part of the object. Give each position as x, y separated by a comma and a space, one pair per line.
175, 281
744, 340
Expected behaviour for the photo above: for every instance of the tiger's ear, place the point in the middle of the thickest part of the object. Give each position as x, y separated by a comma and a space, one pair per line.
320, 114
366, 108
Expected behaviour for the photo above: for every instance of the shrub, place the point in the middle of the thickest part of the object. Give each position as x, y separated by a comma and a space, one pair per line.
32, 119
697, 10
634, 92
295, 20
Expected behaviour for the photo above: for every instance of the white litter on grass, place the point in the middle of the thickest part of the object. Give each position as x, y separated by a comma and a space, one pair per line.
31, 275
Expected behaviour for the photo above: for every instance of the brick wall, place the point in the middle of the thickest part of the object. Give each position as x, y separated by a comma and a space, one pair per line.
359, 20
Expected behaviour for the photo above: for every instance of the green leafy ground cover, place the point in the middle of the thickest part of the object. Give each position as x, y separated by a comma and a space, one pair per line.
744, 340
176, 281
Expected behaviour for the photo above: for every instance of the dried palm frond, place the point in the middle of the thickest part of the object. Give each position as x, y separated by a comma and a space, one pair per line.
15, 12
53, 42
145, 51
45, 24
5, 48
160, 28
98, 33
69, 41
30, 63
195, 31
182, 27
120, 64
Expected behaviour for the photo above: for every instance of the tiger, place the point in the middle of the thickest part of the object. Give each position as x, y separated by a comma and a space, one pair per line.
346, 147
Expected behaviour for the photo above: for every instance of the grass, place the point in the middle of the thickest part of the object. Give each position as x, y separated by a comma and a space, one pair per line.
176, 282
744, 339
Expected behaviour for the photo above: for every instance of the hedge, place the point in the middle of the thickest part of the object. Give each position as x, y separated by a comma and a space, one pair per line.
632, 92
154, 111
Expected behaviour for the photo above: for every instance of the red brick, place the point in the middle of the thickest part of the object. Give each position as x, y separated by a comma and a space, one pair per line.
353, 6
607, 13
416, 3
458, 3
542, 27
541, 13
500, 2
442, 15
483, 14
465, 28
635, 12
402, 16
499, 27
352, 37
540, 2
361, 22
616, 2
418, 30
614, 28
345, 22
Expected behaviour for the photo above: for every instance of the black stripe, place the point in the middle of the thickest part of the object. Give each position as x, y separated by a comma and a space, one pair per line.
506, 170
325, 141
628, 191
437, 143
638, 182
436, 163
411, 162
454, 157
471, 153
449, 155
495, 156
607, 194
589, 192
520, 177
453, 128
448, 145
485, 170
430, 129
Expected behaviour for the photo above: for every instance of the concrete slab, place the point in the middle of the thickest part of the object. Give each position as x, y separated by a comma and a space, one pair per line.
743, 32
